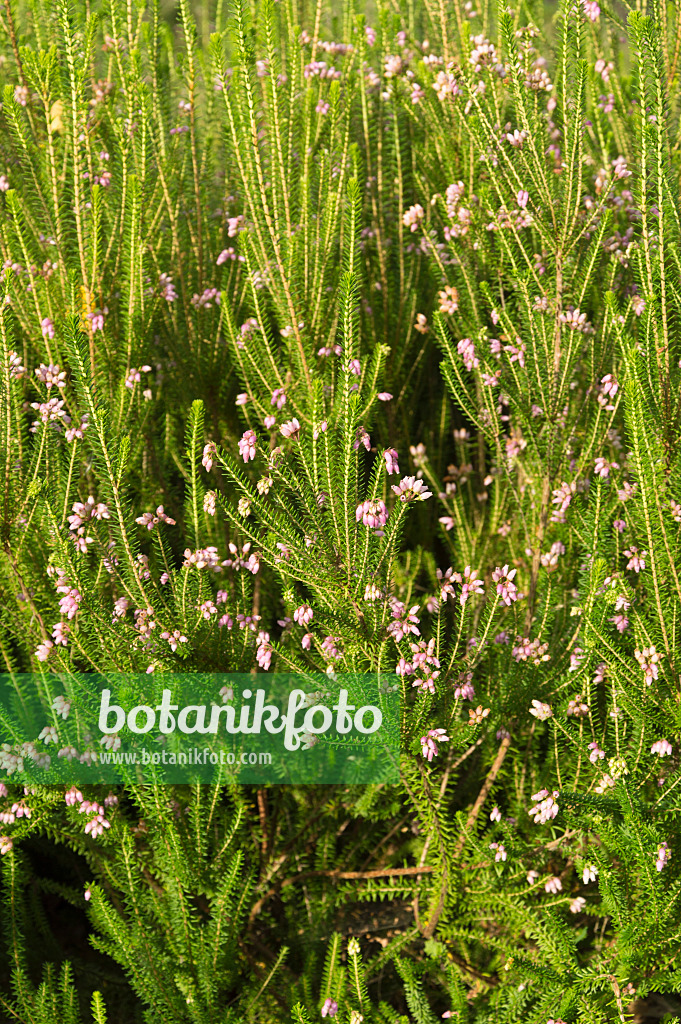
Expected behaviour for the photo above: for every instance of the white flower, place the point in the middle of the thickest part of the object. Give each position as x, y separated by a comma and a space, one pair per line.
618, 767
604, 785
540, 710
62, 706
413, 217
111, 742
545, 807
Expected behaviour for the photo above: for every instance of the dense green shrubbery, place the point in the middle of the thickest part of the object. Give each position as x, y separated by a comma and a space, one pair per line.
353, 344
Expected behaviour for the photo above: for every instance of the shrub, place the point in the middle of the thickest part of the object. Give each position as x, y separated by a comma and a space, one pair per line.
352, 347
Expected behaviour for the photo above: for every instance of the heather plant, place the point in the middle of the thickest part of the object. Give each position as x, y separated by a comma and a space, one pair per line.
345, 340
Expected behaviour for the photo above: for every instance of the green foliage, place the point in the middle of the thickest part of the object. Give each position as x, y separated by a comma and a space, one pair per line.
253, 258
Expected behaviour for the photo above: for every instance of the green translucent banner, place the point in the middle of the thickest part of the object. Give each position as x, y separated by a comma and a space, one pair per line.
199, 727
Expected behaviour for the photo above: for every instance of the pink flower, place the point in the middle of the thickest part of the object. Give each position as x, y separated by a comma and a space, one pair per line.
562, 495
247, 445
330, 1008
662, 748
540, 710
449, 303
372, 514
329, 648
577, 708
621, 622
47, 327
410, 488
209, 453
384, 396
306, 642
362, 438
391, 456
522, 199
591, 9
263, 653
97, 320
596, 753
662, 856
602, 467
446, 586
404, 623
517, 353
77, 432
576, 658
135, 376
96, 825
545, 808
430, 741
278, 398
575, 319
60, 631
648, 659
51, 375
354, 367
413, 217
150, 520
506, 589
466, 350
43, 650
303, 615
470, 584
465, 689
241, 399
619, 167
636, 559
290, 429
